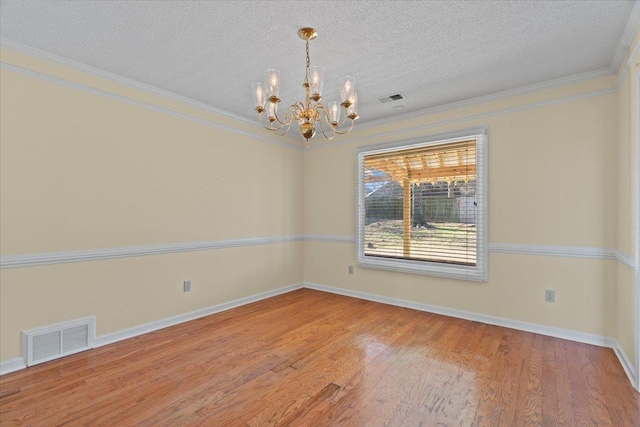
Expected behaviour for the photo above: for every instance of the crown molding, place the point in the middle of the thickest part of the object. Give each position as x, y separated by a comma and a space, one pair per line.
131, 101
632, 26
96, 72
391, 134
630, 30
523, 90
37, 53
134, 84
628, 64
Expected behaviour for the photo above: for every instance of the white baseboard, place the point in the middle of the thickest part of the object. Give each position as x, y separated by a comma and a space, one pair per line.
18, 363
12, 365
624, 360
181, 318
551, 331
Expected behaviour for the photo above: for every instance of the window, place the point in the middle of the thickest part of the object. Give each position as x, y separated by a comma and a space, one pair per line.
422, 206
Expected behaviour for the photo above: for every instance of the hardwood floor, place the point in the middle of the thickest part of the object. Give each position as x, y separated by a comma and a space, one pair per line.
309, 358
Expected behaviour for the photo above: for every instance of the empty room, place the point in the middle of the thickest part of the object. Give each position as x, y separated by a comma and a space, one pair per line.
319, 213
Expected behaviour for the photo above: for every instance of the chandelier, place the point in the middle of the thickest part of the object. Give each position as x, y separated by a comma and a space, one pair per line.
312, 111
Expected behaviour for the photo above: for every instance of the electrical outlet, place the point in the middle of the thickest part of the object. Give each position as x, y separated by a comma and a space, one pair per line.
549, 295
351, 269
187, 286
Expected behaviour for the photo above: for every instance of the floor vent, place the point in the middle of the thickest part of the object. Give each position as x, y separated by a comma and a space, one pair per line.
55, 341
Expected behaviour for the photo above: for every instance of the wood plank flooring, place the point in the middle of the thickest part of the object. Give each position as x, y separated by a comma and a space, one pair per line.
309, 358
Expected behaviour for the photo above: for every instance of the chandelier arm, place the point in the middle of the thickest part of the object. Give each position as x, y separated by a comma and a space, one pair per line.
346, 131
324, 133
270, 125
275, 115
289, 115
296, 109
320, 106
264, 125
322, 111
285, 131
283, 122
276, 128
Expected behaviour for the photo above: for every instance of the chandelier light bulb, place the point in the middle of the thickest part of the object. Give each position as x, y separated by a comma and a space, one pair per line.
272, 110
317, 80
334, 112
352, 111
272, 80
259, 95
347, 87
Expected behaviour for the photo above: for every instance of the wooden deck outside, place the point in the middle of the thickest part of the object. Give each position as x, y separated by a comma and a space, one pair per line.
309, 358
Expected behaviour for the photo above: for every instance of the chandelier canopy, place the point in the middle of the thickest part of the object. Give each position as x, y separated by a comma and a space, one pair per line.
312, 111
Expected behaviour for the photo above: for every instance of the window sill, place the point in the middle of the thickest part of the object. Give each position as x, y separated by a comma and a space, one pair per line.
474, 274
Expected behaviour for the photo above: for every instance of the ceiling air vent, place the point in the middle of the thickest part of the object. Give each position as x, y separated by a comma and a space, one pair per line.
55, 341
395, 97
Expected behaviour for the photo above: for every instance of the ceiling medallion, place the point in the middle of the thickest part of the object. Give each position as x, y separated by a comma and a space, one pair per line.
311, 111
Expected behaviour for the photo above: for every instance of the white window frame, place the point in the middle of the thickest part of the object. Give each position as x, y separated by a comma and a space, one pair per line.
474, 273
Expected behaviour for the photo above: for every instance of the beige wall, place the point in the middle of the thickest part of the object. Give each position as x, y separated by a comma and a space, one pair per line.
515, 289
128, 292
625, 175
625, 161
83, 171
550, 175
547, 175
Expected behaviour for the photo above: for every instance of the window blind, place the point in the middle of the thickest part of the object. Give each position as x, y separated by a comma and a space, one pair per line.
421, 203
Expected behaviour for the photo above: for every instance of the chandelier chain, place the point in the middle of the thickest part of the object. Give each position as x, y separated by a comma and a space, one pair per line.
308, 64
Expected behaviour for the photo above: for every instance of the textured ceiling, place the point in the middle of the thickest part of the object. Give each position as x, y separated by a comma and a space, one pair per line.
433, 52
